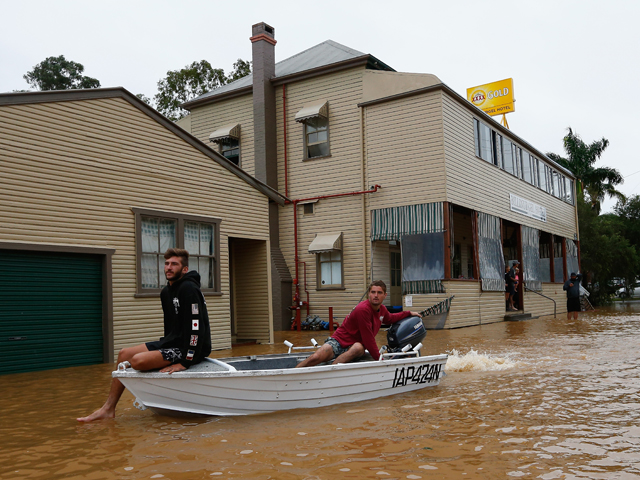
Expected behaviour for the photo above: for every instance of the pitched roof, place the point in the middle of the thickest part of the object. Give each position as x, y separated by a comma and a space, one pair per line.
120, 92
325, 54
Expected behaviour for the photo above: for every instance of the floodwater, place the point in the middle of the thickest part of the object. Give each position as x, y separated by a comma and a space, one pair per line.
544, 398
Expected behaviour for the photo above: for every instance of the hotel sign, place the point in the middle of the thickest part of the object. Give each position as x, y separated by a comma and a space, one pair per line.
528, 208
494, 98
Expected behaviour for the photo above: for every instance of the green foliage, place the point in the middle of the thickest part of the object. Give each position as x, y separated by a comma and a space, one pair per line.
180, 86
58, 73
628, 212
607, 254
241, 68
144, 98
581, 158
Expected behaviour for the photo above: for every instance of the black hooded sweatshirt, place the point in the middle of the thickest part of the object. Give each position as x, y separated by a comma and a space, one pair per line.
186, 322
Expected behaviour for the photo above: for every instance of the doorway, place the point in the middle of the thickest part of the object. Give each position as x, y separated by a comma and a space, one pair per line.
512, 251
249, 290
395, 267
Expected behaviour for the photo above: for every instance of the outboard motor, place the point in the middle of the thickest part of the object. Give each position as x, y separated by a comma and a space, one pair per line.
408, 331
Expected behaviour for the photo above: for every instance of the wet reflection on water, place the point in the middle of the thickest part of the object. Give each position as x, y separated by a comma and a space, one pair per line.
544, 398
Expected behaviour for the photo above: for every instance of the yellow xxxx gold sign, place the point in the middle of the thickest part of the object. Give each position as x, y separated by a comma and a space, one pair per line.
494, 98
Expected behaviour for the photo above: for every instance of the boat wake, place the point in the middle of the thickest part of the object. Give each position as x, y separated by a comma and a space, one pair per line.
478, 362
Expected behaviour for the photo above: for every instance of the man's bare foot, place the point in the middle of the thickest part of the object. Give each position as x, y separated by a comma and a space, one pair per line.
100, 414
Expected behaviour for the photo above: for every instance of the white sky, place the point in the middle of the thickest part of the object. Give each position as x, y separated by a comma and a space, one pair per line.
573, 62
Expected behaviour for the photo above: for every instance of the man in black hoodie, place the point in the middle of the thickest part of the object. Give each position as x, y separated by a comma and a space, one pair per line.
187, 339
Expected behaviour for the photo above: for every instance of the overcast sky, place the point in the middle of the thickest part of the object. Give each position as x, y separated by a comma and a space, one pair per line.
573, 63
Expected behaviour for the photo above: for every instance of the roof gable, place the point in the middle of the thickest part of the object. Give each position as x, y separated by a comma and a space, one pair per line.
120, 92
322, 55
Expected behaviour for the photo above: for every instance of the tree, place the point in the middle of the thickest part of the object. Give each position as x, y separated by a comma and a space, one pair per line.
241, 68
607, 255
595, 182
628, 213
58, 73
180, 86
144, 98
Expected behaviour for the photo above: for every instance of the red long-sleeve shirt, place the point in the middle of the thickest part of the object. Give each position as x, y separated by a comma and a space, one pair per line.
363, 324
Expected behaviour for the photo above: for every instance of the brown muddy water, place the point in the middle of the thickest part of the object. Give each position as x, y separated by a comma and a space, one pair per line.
544, 398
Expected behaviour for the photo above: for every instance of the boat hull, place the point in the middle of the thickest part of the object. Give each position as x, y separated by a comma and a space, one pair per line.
254, 391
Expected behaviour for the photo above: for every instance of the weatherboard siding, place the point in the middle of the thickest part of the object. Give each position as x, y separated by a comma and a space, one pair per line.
404, 151
207, 119
474, 183
341, 172
71, 172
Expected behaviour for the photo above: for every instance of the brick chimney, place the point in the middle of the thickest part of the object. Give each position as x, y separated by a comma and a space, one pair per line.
264, 103
263, 44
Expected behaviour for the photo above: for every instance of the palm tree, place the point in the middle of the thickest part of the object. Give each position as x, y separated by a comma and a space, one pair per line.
595, 182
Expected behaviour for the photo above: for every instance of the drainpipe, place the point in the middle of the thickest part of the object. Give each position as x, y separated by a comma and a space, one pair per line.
284, 114
295, 203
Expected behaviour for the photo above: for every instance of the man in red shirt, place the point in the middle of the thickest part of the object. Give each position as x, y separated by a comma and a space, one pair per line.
359, 329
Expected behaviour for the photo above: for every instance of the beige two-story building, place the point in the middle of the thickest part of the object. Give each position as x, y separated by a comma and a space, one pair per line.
392, 176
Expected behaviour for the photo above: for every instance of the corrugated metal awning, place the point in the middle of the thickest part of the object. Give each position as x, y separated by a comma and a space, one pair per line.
225, 133
326, 242
391, 223
318, 109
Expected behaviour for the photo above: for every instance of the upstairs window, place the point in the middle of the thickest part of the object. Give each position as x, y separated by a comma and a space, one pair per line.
484, 149
526, 168
315, 118
227, 139
568, 197
507, 156
231, 150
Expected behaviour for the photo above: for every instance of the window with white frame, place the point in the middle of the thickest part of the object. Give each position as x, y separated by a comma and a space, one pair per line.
527, 171
330, 269
315, 118
484, 149
316, 133
507, 156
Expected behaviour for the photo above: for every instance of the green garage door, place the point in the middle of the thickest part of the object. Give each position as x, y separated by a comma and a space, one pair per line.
50, 310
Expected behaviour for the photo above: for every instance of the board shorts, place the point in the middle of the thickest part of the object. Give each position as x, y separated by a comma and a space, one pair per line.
335, 345
172, 355
573, 304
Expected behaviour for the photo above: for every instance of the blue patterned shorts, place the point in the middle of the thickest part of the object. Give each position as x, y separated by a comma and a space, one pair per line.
335, 345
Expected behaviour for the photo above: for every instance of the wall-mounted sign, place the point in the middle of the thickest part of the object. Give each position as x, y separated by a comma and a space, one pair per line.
528, 208
494, 98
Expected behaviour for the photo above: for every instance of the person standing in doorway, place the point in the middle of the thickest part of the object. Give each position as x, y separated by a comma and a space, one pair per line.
572, 287
187, 339
510, 277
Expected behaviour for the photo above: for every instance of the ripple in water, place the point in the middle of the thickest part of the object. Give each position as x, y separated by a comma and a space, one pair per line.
478, 362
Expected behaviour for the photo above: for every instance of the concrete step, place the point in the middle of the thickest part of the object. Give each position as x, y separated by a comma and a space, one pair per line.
517, 316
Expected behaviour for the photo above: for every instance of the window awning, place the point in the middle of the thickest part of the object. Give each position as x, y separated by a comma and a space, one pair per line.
225, 133
318, 109
326, 242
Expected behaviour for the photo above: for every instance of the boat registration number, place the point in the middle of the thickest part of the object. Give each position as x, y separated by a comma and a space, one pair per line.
411, 374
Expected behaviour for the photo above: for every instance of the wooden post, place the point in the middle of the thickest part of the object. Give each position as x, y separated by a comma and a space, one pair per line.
551, 255
474, 244
521, 274
564, 260
447, 241
331, 319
